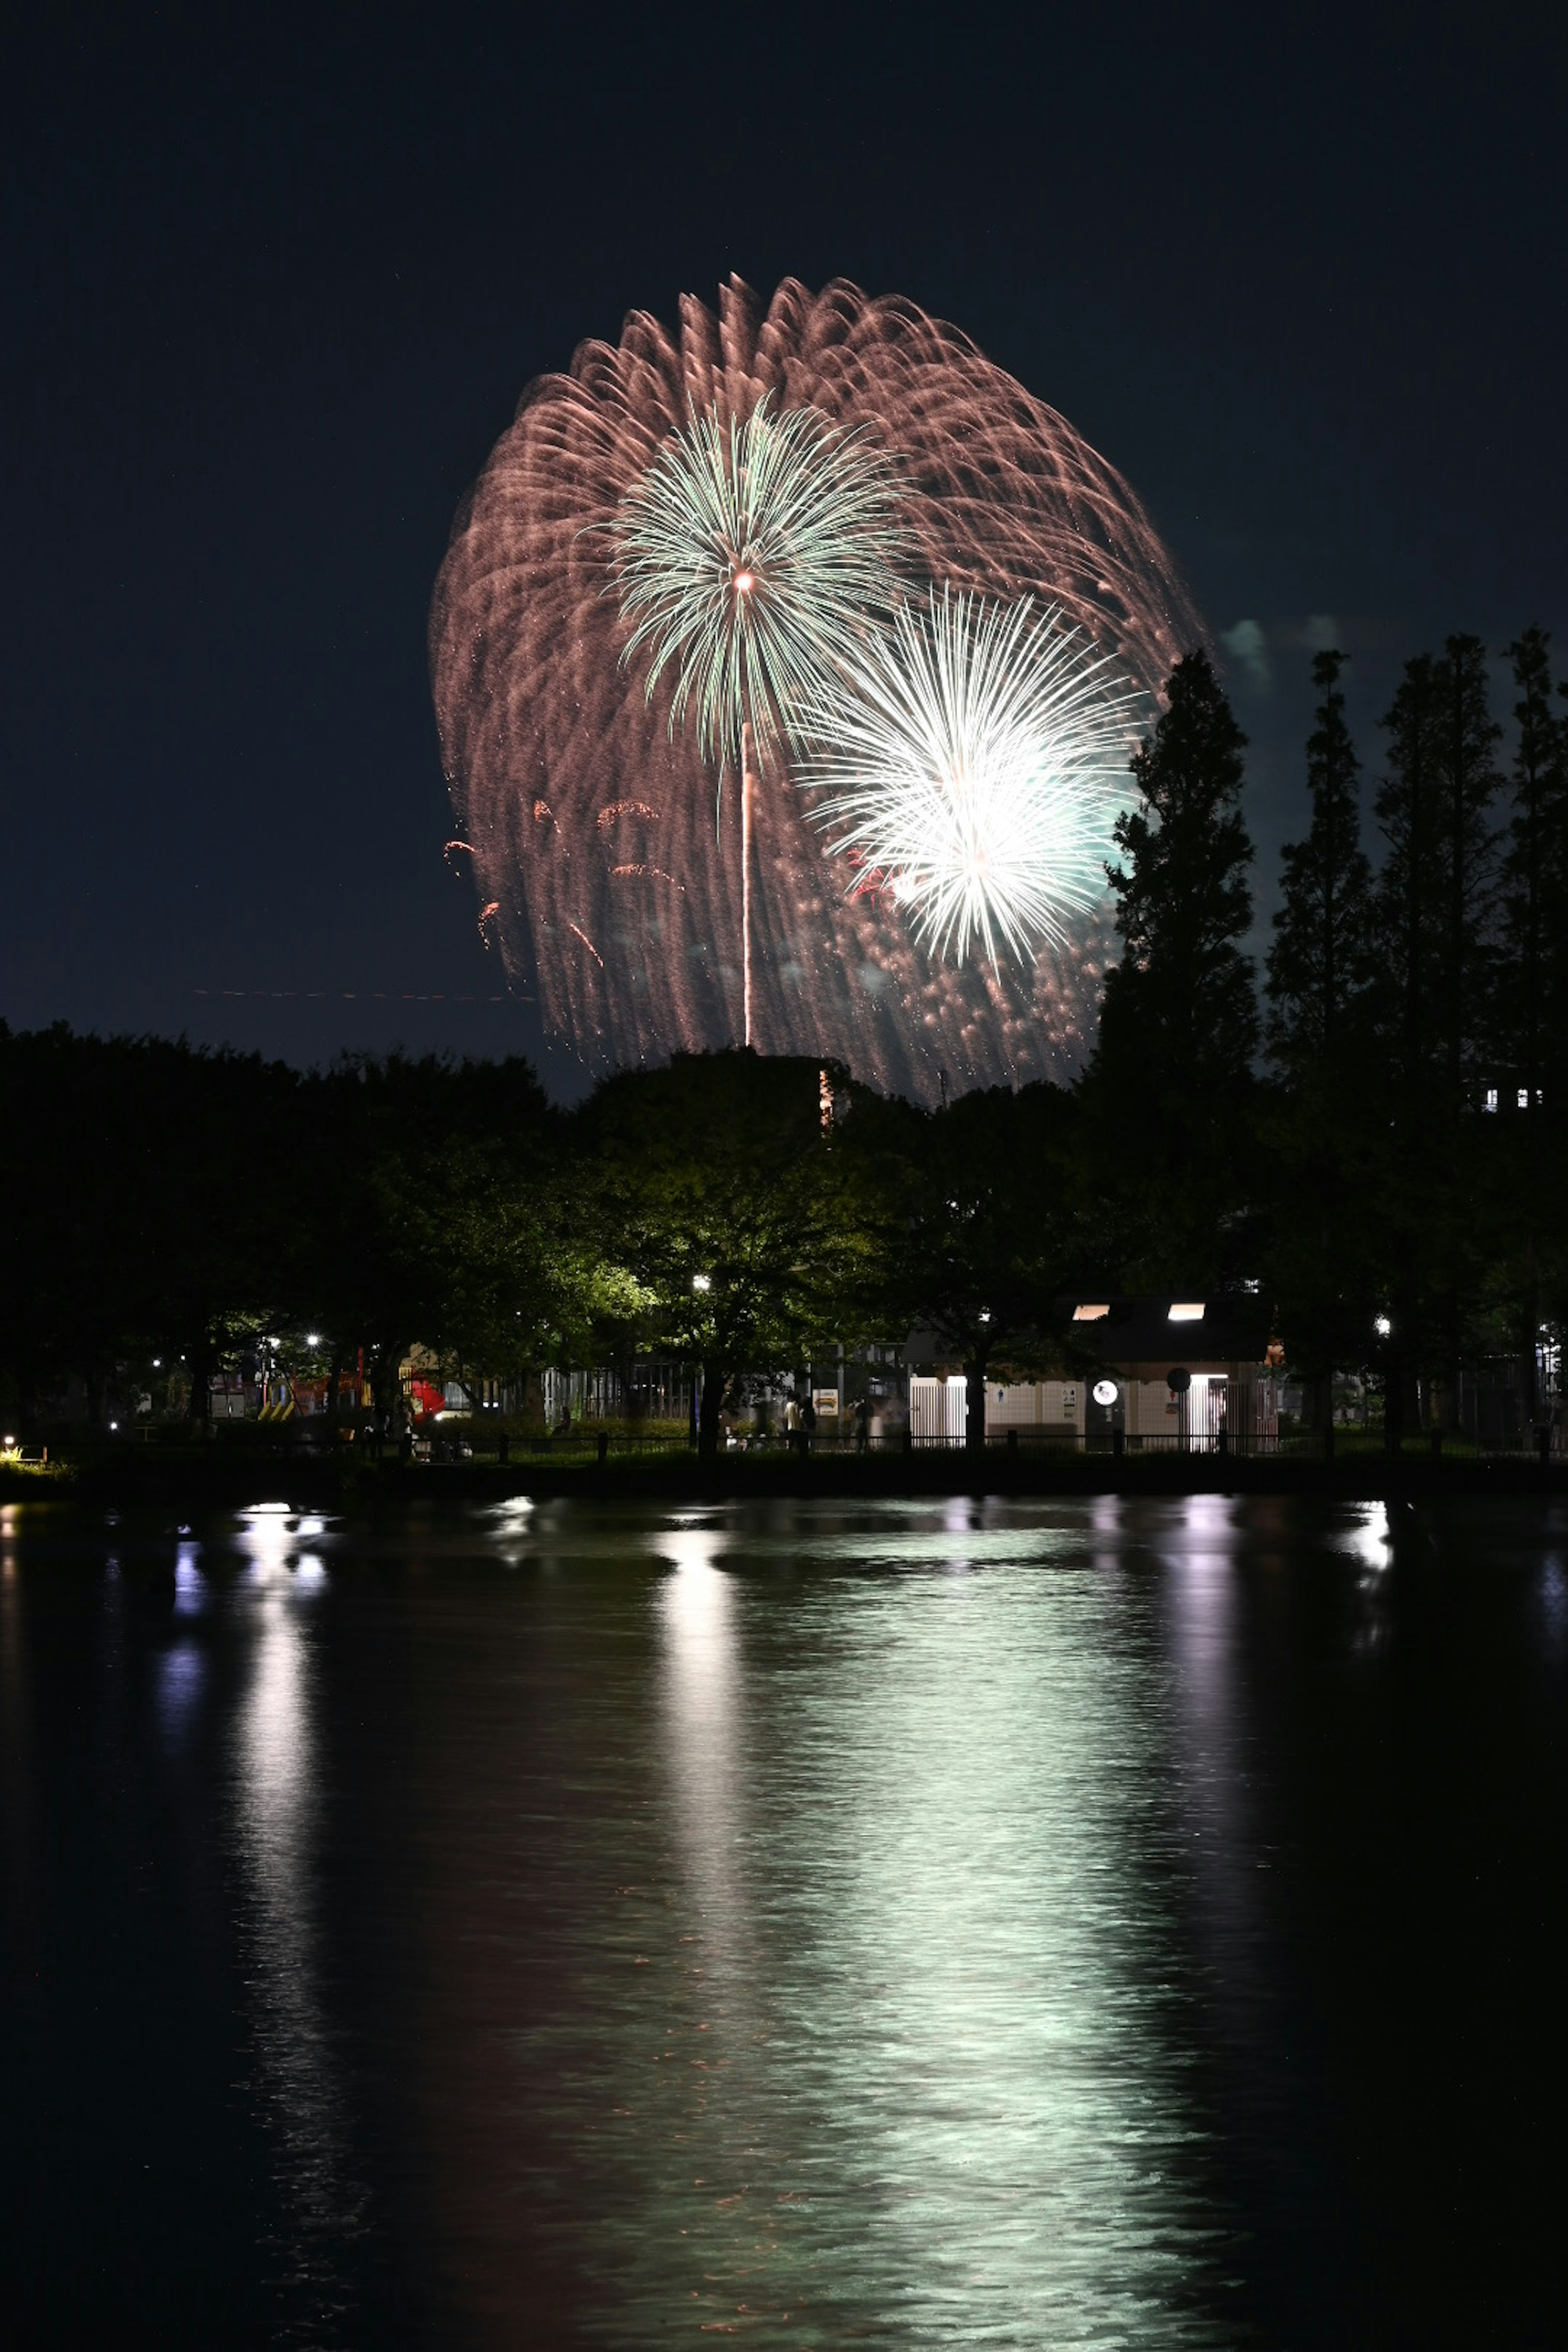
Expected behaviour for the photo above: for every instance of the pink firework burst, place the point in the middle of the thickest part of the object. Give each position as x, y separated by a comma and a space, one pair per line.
582, 801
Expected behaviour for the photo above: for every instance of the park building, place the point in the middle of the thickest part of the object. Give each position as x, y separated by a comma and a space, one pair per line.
1157, 1370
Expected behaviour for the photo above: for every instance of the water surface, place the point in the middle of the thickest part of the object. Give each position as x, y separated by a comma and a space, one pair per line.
1100, 1923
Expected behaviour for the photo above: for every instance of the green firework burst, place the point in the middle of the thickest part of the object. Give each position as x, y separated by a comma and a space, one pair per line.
745, 556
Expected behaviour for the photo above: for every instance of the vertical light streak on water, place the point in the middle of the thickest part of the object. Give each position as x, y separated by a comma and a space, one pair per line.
297, 2090
925, 1836
697, 1607
182, 1668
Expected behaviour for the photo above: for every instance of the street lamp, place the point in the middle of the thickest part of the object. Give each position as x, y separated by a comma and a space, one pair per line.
702, 1282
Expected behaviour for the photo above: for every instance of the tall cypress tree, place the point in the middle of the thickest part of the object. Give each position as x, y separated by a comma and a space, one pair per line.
1531, 991
1179, 1025
1534, 962
1467, 740
1410, 812
1436, 901
1320, 1144
1411, 900
1320, 962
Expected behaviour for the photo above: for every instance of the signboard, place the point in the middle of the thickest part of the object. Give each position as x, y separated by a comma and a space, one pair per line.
825, 1400
1180, 1380
1105, 1392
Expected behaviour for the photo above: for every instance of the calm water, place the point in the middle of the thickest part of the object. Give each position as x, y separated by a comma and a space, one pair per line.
1051, 1924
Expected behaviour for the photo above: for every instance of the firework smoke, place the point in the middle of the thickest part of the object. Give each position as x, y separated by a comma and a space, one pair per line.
586, 800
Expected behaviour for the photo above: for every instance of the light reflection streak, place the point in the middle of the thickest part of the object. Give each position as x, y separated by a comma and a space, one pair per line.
701, 1679
948, 1993
276, 1805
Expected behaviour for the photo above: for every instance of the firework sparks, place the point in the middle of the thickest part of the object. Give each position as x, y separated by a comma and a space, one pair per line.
975, 759
744, 556
543, 723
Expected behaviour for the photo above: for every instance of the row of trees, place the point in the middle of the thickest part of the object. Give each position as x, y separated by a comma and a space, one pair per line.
1331, 1142
735, 1213
1379, 1138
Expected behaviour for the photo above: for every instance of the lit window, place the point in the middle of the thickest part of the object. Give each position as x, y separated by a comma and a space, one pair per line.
1090, 1313
1491, 1097
1524, 1097
1186, 1311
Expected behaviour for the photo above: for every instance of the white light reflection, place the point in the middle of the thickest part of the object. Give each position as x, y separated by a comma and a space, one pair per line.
1553, 1602
1367, 1536
190, 1584
701, 1694
1368, 1539
278, 1803
182, 1673
510, 1522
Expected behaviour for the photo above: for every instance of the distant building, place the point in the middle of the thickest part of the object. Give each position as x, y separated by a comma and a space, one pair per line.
1221, 1344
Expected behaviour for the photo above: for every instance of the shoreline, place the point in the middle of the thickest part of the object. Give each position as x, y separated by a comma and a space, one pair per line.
235, 1482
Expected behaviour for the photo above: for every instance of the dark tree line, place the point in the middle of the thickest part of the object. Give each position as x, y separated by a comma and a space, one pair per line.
1331, 1142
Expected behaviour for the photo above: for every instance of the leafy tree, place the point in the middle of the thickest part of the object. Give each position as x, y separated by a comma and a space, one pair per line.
993, 1232
393, 1142
721, 1190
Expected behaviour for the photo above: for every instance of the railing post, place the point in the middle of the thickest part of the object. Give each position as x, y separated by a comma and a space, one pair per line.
1118, 1443
1012, 1446
1543, 1443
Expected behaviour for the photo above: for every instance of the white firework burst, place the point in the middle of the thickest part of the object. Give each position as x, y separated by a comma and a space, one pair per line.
745, 555
974, 756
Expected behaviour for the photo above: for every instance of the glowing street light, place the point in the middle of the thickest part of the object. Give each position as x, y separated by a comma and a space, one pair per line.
1383, 1327
702, 1282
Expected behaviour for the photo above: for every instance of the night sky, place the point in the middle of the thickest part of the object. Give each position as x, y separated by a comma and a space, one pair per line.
273, 285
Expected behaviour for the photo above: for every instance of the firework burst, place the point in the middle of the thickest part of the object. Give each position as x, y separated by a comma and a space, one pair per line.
581, 803
973, 759
745, 557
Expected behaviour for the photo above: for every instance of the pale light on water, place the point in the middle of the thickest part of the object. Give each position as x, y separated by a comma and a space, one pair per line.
910, 1925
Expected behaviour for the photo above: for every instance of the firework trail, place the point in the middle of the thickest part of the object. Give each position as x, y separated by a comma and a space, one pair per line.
582, 792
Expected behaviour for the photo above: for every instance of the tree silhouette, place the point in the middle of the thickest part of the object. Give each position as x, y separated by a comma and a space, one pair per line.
1179, 1029
1321, 964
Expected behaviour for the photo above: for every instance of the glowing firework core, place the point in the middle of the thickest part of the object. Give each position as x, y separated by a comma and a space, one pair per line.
975, 757
743, 556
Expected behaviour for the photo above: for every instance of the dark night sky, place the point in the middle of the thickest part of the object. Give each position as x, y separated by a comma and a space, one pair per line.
273, 285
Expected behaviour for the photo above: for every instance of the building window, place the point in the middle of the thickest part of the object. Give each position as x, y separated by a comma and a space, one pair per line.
1491, 1099
1186, 1311
1090, 1313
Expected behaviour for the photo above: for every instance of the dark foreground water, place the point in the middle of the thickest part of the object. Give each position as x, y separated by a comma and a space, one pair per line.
1099, 1924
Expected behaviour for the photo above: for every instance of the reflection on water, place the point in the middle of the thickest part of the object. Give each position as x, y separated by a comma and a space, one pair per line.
926, 2074
278, 1798
1111, 1923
